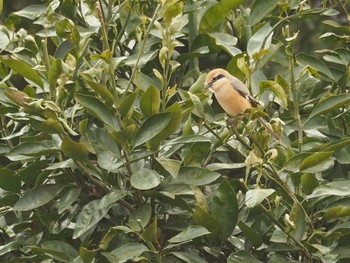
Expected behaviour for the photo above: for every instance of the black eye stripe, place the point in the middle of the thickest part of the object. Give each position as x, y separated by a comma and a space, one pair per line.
217, 77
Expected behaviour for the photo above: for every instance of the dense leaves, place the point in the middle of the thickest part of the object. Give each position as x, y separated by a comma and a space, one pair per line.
111, 149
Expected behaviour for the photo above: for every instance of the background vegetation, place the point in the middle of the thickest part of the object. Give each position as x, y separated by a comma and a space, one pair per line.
112, 151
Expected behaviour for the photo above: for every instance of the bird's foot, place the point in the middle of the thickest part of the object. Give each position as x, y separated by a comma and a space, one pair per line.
230, 122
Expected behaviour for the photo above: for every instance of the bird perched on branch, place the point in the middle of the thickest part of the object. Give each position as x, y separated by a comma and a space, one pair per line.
232, 95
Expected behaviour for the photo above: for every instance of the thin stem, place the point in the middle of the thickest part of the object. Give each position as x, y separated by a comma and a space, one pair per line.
80, 59
103, 26
136, 67
256, 142
192, 33
295, 92
217, 136
122, 31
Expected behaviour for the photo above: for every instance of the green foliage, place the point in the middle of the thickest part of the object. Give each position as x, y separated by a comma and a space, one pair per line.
112, 151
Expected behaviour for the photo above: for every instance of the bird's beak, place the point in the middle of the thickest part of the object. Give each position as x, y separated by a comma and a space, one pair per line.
207, 85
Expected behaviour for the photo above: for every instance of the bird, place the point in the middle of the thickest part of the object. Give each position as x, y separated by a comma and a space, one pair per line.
233, 95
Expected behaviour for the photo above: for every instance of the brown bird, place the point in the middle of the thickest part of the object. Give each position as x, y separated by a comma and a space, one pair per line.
233, 95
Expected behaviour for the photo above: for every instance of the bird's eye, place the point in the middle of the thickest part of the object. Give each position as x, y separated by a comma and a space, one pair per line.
217, 77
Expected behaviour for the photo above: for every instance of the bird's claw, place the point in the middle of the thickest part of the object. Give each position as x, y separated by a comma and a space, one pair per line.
230, 122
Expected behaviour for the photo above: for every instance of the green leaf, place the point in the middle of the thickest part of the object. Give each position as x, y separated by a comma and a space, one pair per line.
211, 223
9, 181
127, 105
195, 176
170, 165
201, 200
256, 196
97, 108
309, 182
276, 88
126, 252
144, 58
59, 250
196, 154
66, 29
196, 138
312, 61
189, 257
152, 232
327, 105
37, 197
100, 89
140, 217
145, 179
87, 255
53, 74
112, 232
106, 147
337, 212
215, 14
197, 87
171, 127
172, 9
297, 216
343, 155
293, 164
224, 206
337, 188
225, 166
151, 127
31, 12
68, 198
189, 233
260, 10
1, 6
242, 257
23, 69
94, 211
226, 42
250, 233
150, 101
63, 49
27, 150
75, 150
262, 36
317, 162
336, 145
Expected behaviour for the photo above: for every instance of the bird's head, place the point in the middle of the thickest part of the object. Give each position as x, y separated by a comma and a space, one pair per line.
215, 78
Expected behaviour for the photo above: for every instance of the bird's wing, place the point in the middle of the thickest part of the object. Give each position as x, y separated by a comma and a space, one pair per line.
243, 91
239, 86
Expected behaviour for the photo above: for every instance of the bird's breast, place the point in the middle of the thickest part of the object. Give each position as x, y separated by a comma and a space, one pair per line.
232, 102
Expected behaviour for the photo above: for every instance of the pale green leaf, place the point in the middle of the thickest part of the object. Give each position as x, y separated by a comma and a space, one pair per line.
216, 13
257, 196
94, 211
224, 206
312, 61
150, 101
327, 105
151, 127
37, 197
195, 176
260, 10
145, 179
23, 69
242, 257
97, 108
189, 233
